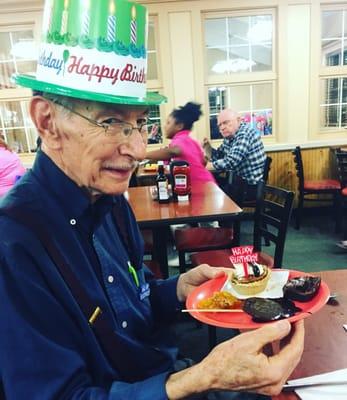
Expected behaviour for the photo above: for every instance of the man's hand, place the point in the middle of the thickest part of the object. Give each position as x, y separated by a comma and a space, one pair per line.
207, 148
240, 365
195, 277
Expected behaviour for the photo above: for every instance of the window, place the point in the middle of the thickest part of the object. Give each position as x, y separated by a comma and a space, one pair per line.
253, 102
16, 126
333, 77
154, 82
239, 48
18, 53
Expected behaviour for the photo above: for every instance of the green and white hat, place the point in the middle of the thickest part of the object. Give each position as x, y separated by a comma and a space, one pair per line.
94, 50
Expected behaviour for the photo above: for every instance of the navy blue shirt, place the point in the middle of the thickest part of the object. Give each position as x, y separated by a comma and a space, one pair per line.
48, 349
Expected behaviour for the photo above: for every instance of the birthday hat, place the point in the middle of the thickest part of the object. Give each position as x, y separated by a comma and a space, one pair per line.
94, 50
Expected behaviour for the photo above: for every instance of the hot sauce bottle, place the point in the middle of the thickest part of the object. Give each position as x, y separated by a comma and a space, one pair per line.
162, 184
181, 179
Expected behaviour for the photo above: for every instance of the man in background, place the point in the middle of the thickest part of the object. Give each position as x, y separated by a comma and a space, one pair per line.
241, 153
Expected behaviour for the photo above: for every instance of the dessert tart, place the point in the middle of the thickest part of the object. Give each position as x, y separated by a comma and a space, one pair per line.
250, 278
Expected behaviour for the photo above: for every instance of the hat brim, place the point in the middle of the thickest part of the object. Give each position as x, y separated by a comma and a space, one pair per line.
31, 82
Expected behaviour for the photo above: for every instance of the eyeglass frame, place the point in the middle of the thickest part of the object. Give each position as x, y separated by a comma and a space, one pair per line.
107, 126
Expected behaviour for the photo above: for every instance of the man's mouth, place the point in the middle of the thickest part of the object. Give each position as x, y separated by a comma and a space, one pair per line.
120, 169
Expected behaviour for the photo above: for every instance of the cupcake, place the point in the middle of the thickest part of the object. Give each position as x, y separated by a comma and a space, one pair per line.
250, 281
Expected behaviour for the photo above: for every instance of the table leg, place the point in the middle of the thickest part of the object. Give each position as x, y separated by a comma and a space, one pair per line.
160, 249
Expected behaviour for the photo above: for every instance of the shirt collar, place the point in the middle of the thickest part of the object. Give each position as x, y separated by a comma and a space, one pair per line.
183, 133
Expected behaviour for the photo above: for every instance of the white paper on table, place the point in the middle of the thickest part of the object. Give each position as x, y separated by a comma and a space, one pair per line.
273, 290
328, 392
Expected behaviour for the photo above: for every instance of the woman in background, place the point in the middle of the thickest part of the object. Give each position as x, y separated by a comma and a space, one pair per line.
178, 128
10, 168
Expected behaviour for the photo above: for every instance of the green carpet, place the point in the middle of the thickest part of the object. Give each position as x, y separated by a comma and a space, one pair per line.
312, 248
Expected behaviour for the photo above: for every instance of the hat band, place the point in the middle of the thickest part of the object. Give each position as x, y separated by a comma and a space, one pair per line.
107, 73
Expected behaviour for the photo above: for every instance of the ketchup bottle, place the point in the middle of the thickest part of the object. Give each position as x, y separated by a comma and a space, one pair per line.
181, 179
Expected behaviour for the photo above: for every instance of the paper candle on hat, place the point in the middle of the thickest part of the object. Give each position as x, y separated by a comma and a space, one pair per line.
47, 17
63, 28
56, 17
85, 18
74, 23
133, 28
111, 23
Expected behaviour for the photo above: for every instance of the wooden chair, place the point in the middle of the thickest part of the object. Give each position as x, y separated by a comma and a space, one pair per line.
194, 239
307, 188
152, 264
272, 214
250, 203
267, 167
341, 163
273, 210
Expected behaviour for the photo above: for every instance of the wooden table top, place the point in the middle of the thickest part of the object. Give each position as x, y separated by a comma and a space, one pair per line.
325, 338
207, 202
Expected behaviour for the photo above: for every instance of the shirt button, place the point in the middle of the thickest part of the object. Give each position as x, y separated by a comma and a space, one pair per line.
110, 279
124, 324
72, 221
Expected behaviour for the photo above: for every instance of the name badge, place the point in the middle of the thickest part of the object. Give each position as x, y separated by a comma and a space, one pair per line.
144, 291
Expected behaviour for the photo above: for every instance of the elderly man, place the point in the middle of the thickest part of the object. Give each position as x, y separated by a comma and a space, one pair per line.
82, 316
242, 151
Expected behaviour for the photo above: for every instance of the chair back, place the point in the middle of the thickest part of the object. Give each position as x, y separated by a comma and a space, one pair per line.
341, 162
235, 187
267, 167
272, 214
299, 167
133, 179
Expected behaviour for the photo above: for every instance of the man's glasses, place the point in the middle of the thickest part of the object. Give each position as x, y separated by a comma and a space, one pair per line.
115, 128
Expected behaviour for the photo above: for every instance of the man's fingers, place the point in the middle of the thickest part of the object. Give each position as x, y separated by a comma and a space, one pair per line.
269, 333
292, 351
209, 272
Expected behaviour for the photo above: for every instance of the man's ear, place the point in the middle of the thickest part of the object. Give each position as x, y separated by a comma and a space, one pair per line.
43, 115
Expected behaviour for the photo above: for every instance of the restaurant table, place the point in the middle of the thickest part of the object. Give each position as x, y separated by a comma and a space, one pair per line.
325, 339
207, 203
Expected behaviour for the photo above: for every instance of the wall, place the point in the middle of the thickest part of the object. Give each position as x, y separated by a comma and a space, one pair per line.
181, 59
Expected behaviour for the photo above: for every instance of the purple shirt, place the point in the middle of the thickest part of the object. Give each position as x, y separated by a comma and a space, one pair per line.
10, 168
192, 152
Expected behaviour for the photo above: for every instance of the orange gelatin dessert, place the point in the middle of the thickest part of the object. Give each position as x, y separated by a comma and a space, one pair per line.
220, 300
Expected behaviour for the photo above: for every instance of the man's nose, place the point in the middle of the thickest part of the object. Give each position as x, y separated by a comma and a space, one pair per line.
135, 143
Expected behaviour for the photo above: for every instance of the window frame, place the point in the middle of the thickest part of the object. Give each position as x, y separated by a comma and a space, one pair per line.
328, 72
245, 78
156, 85
19, 22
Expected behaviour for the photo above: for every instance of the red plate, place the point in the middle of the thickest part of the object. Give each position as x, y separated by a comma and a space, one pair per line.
242, 320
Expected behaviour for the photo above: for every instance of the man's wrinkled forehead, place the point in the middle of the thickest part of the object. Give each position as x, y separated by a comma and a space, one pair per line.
122, 109
226, 115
